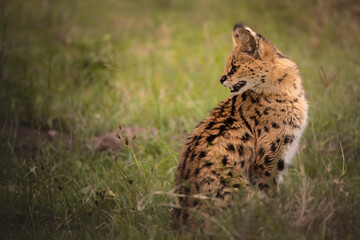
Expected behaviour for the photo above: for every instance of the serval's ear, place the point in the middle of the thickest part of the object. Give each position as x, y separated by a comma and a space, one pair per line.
244, 38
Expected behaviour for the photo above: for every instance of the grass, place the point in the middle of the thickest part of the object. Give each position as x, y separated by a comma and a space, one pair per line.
82, 68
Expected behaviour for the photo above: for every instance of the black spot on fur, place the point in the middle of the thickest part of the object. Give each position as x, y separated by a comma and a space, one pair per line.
232, 70
280, 101
261, 152
229, 121
202, 154
240, 149
257, 112
197, 171
273, 147
267, 100
243, 97
217, 112
230, 147
207, 164
189, 139
280, 165
254, 100
267, 160
222, 130
242, 163
267, 173
266, 111
186, 153
292, 124
193, 139
282, 78
275, 125
210, 125
224, 160
266, 129
256, 122
210, 139
233, 104
259, 132
245, 137
193, 156
244, 120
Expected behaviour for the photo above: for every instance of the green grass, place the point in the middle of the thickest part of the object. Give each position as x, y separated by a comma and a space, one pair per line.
84, 67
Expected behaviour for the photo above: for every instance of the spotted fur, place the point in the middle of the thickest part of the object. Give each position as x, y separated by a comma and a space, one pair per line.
249, 139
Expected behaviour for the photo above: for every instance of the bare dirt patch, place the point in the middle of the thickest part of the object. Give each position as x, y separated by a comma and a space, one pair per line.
116, 139
25, 140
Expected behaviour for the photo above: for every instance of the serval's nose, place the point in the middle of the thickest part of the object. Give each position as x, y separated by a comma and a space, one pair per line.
223, 78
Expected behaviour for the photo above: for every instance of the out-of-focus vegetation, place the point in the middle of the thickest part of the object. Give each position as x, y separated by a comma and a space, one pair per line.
81, 68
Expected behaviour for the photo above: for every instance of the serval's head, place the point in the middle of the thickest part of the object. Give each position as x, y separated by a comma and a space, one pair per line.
255, 63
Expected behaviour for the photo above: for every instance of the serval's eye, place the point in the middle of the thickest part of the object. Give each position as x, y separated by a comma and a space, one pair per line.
233, 69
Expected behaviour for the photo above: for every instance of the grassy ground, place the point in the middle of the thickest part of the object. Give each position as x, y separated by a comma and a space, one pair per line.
84, 67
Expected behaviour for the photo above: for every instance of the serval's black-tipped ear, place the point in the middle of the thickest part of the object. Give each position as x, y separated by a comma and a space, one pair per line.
245, 38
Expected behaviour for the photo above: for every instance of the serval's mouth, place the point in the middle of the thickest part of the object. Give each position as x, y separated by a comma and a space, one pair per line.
237, 87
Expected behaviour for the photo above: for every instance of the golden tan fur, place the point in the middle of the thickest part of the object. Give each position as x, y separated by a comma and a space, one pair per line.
250, 138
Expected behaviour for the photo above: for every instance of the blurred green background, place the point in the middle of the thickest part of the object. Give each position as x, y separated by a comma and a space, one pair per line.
73, 70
